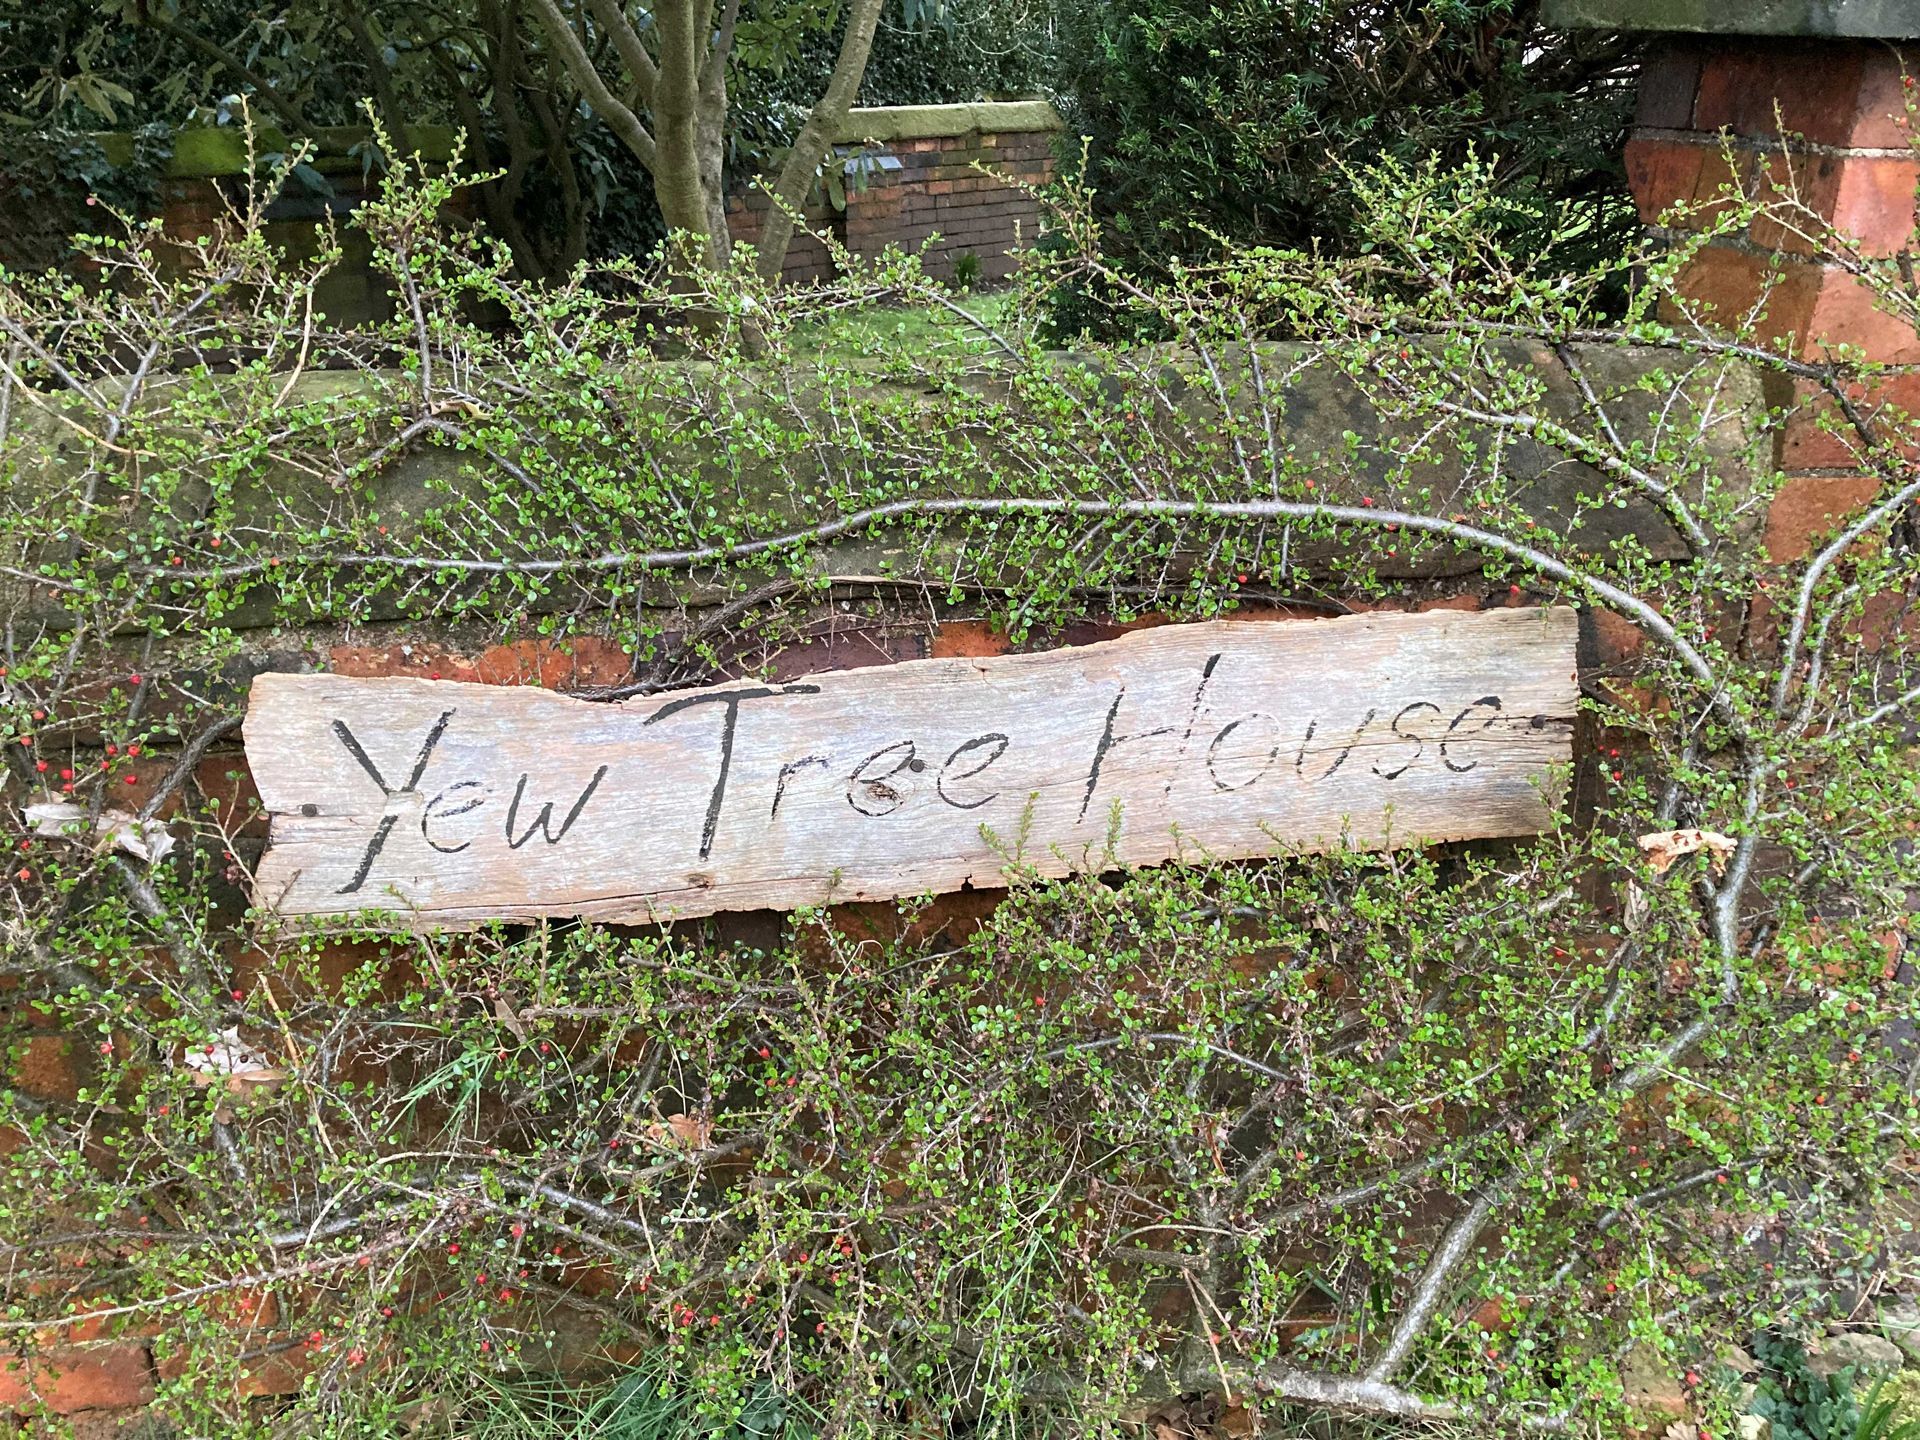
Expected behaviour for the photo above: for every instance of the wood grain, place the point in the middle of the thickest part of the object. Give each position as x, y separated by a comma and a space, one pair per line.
449, 804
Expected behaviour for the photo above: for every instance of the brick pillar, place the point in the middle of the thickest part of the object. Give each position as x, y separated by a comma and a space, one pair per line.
1832, 114
1817, 88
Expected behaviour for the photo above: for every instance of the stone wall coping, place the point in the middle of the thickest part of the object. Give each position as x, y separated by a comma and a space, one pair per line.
205, 151
940, 122
1834, 19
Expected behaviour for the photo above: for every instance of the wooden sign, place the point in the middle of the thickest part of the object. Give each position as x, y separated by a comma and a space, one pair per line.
450, 804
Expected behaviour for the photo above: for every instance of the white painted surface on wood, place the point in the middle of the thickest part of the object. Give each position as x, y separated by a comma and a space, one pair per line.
450, 804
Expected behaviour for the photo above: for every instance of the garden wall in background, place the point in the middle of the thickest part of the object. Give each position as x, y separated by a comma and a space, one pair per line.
948, 178
916, 178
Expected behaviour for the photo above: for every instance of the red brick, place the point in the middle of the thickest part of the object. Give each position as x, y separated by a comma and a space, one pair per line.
1722, 285
1844, 312
1669, 77
1806, 509
1880, 113
105, 1378
1666, 175
971, 638
51, 1067
1808, 306
1875, 203
1616, 640
421, 662
226, 782
555, 665
1868, 197
1817, 436
1816, 89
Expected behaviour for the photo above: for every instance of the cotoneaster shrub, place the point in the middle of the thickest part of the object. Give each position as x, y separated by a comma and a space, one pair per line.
1427, 1135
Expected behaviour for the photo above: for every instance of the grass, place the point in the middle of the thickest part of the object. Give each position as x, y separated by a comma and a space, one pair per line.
869, 330
635, 1407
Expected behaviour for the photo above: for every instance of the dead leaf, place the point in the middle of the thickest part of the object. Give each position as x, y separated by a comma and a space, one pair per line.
229, 1060
504, 1013
1237, 1422
142, 839
687, 1132
1663, 847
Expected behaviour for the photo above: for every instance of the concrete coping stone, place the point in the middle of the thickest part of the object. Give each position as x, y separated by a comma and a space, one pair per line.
939, 122
1832, 19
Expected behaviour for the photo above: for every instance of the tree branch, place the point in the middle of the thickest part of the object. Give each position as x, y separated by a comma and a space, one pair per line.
579, 65
816, 137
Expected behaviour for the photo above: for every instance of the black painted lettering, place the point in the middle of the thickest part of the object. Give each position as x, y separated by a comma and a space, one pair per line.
1341, 758
446, 797
539, 821
1193, 714
1213, 753
387, 822
1419, 745
878, 789
1485, 702
997, 742
1107, 741
1300, 759
732, 700
787, 772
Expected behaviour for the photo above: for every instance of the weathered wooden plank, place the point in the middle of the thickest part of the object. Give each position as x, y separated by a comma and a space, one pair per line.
449, 804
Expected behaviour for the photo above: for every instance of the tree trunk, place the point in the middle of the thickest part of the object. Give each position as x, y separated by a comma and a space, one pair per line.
712, 141
815, 139
678, 181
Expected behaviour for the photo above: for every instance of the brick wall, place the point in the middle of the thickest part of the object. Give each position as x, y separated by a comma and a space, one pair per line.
943, 177
955, 191
1839, 140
